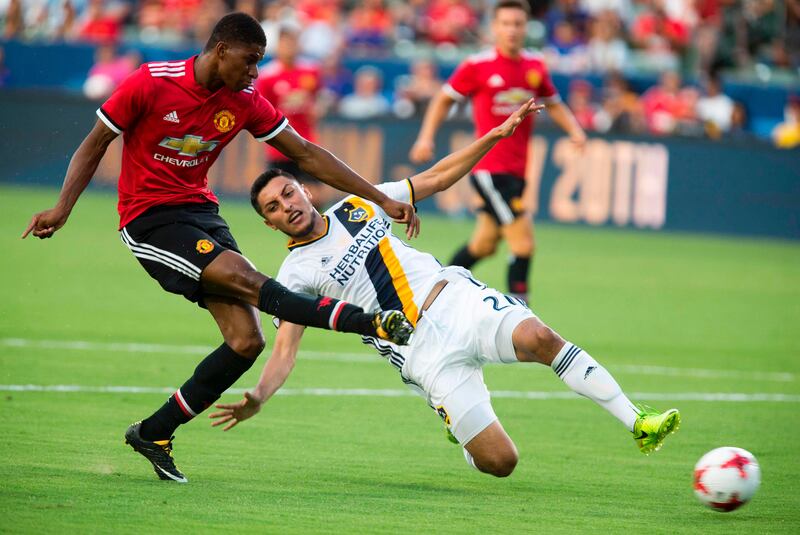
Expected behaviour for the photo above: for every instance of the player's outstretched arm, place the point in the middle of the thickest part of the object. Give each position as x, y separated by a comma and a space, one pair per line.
563, 117
274, 374
453, 167
439, 107
323, 165
79, 173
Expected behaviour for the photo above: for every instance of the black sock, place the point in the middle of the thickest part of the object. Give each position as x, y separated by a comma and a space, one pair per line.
323, 312
518, 276
464, 258
213, 376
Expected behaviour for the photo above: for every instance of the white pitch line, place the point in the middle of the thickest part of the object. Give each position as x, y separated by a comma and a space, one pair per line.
199, 350
129, 347
736, 397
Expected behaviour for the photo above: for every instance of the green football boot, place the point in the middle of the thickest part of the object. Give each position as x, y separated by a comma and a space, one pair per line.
651, 428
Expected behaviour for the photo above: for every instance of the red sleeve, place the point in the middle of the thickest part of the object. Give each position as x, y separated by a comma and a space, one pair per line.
265, 122
128, 102
546, 90
462, 82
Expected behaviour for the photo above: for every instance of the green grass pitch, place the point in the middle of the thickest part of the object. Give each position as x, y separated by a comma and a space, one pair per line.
674, 317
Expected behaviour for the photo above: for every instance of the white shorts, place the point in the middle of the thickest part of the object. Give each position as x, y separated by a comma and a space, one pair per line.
466, 327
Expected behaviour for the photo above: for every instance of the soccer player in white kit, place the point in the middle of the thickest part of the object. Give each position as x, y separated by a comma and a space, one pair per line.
350, 253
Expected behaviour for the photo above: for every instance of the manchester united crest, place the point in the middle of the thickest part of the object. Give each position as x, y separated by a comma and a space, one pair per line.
224, 121
204, 246
534, 78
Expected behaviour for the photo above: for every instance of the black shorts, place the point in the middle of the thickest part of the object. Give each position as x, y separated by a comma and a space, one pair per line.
175, 243
291, 167
501, 194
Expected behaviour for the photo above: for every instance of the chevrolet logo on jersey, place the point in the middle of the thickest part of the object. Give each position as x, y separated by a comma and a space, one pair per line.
515, 96
188, 146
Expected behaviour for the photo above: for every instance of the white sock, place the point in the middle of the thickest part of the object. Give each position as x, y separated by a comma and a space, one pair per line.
470, 460
584, 375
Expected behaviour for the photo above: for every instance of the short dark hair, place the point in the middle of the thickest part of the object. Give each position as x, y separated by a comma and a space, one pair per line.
512, 4
238, 28
262, 181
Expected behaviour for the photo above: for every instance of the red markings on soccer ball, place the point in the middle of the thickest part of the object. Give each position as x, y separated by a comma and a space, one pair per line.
698, 480
738, 462
730, 505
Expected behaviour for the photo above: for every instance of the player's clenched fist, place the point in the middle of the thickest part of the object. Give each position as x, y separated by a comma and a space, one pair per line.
403, 213
421, 152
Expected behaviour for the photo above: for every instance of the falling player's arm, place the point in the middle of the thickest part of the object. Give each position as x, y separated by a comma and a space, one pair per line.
274, 374
81, 169
439, 107
318, 162
452, 168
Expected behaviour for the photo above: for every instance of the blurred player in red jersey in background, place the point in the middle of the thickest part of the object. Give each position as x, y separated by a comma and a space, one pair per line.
498, 81
293, 86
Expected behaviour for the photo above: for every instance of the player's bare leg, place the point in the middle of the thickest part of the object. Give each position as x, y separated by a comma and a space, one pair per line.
536, 342
231, 274
521, 244
492, 451
485, 237
239, 323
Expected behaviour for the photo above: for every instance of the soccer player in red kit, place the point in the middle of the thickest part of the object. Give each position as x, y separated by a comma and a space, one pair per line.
175, 118
293, 85
498, 81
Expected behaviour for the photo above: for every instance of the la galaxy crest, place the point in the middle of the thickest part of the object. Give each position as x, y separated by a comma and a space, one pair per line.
356, 214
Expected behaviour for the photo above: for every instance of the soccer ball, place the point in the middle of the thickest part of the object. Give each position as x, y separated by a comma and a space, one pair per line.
726, 478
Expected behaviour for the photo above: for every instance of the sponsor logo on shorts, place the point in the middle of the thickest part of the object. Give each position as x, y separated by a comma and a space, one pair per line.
224, 121
204, 246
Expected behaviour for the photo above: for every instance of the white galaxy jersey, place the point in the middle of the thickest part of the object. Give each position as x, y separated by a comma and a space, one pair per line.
360, 261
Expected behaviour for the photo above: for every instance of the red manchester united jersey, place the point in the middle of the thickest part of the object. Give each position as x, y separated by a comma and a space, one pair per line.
173, 130
293, 90
498, 85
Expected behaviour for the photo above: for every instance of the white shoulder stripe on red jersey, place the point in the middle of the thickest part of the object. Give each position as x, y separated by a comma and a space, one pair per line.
168, 68
167, 74
167, 63
531, 54
485, 55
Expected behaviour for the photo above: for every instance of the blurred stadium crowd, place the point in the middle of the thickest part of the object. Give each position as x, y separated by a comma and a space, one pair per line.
701, 40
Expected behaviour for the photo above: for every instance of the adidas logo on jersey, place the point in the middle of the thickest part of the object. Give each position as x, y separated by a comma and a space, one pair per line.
495, 80
172, 117
326, 260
